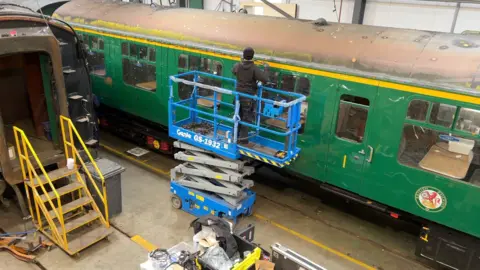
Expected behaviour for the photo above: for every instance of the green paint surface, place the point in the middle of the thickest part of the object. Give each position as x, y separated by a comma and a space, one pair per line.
383, 179
46, 80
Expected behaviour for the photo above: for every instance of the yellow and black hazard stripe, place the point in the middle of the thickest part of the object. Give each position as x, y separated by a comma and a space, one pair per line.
266, 160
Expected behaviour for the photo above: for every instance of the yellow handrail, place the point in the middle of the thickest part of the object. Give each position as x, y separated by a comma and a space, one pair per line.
70, 144
24, 159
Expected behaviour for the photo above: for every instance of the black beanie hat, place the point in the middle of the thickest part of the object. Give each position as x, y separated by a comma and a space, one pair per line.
248, 53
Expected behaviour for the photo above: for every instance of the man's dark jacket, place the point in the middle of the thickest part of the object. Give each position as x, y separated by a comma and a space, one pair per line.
247, 76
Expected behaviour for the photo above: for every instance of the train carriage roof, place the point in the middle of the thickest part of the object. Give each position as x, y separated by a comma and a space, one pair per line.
439, 60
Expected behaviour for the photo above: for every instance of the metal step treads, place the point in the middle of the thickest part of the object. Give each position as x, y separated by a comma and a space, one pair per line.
71, 206
75, 97
68, 70
93, 236
53, 175
62, 191
91, 142
82, 119
78, 222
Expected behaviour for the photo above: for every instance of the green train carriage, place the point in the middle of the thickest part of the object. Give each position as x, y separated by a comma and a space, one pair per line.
392, 117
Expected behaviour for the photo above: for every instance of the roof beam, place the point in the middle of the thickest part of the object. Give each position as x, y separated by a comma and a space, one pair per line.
359, 11
277, 9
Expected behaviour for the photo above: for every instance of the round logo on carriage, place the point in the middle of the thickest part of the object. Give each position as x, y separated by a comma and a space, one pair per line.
430, 199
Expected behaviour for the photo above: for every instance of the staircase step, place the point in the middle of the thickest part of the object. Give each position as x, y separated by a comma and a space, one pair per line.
54, 175
79, 221
82, 119
62, 191
75, 97
68, 70
88, 239
91, 142
72, 206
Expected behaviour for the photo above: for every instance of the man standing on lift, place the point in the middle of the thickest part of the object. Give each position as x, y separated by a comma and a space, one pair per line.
248, 74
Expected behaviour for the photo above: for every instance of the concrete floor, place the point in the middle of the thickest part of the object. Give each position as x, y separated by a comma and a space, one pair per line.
329, 237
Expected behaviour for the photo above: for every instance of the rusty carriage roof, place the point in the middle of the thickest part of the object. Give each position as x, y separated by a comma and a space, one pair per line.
432, 59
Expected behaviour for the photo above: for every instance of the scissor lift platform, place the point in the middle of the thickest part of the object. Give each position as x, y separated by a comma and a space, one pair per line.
217, 130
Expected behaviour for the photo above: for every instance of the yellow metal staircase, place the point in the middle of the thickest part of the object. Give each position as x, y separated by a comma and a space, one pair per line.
64, 212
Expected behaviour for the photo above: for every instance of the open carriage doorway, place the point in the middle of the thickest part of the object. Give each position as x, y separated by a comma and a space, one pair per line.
23, 102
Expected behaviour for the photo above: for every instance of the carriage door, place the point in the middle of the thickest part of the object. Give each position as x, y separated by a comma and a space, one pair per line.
349, 146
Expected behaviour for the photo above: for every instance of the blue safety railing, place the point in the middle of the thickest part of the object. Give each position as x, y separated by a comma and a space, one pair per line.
221, 135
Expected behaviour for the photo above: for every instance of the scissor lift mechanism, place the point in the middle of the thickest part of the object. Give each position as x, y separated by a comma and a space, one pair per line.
213, 162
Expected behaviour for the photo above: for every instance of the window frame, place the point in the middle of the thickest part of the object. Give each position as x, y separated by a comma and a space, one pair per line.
452, 130
136, 57
87, 39
212, 65
426, 124
362, 106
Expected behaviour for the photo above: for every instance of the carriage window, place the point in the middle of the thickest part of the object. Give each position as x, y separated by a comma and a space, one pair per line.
152, 55
182, 61
133, 50
352, 117
95, 56
193, 62
452, 156
442, 114
97, 43
142, 52
303, 86
213, 67
288, 82
138, 70
468, 120
217, 68
139, 74
206, 63
185, 91
125, 48
417, 110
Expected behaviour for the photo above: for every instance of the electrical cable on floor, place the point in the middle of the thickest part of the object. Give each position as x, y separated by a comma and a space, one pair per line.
17, 233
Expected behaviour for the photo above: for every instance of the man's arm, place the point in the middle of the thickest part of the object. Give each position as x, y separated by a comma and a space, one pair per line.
235, 69
261, 75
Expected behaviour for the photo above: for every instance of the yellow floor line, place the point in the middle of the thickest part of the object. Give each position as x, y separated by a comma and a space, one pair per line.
143, 243
149, 246
313, 242
115, 151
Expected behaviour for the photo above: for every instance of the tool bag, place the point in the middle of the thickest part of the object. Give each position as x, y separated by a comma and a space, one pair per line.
221, 228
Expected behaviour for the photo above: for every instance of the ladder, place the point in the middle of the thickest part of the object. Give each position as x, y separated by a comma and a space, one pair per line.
64, 211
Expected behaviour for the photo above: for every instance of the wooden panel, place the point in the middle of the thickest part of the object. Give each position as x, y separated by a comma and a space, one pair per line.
36, 92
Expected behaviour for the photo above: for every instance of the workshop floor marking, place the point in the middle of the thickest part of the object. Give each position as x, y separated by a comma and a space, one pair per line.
313, 242
143, 243
142, 163
149, 246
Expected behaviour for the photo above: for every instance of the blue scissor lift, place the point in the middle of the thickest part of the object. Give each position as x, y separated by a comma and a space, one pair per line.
213, 178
